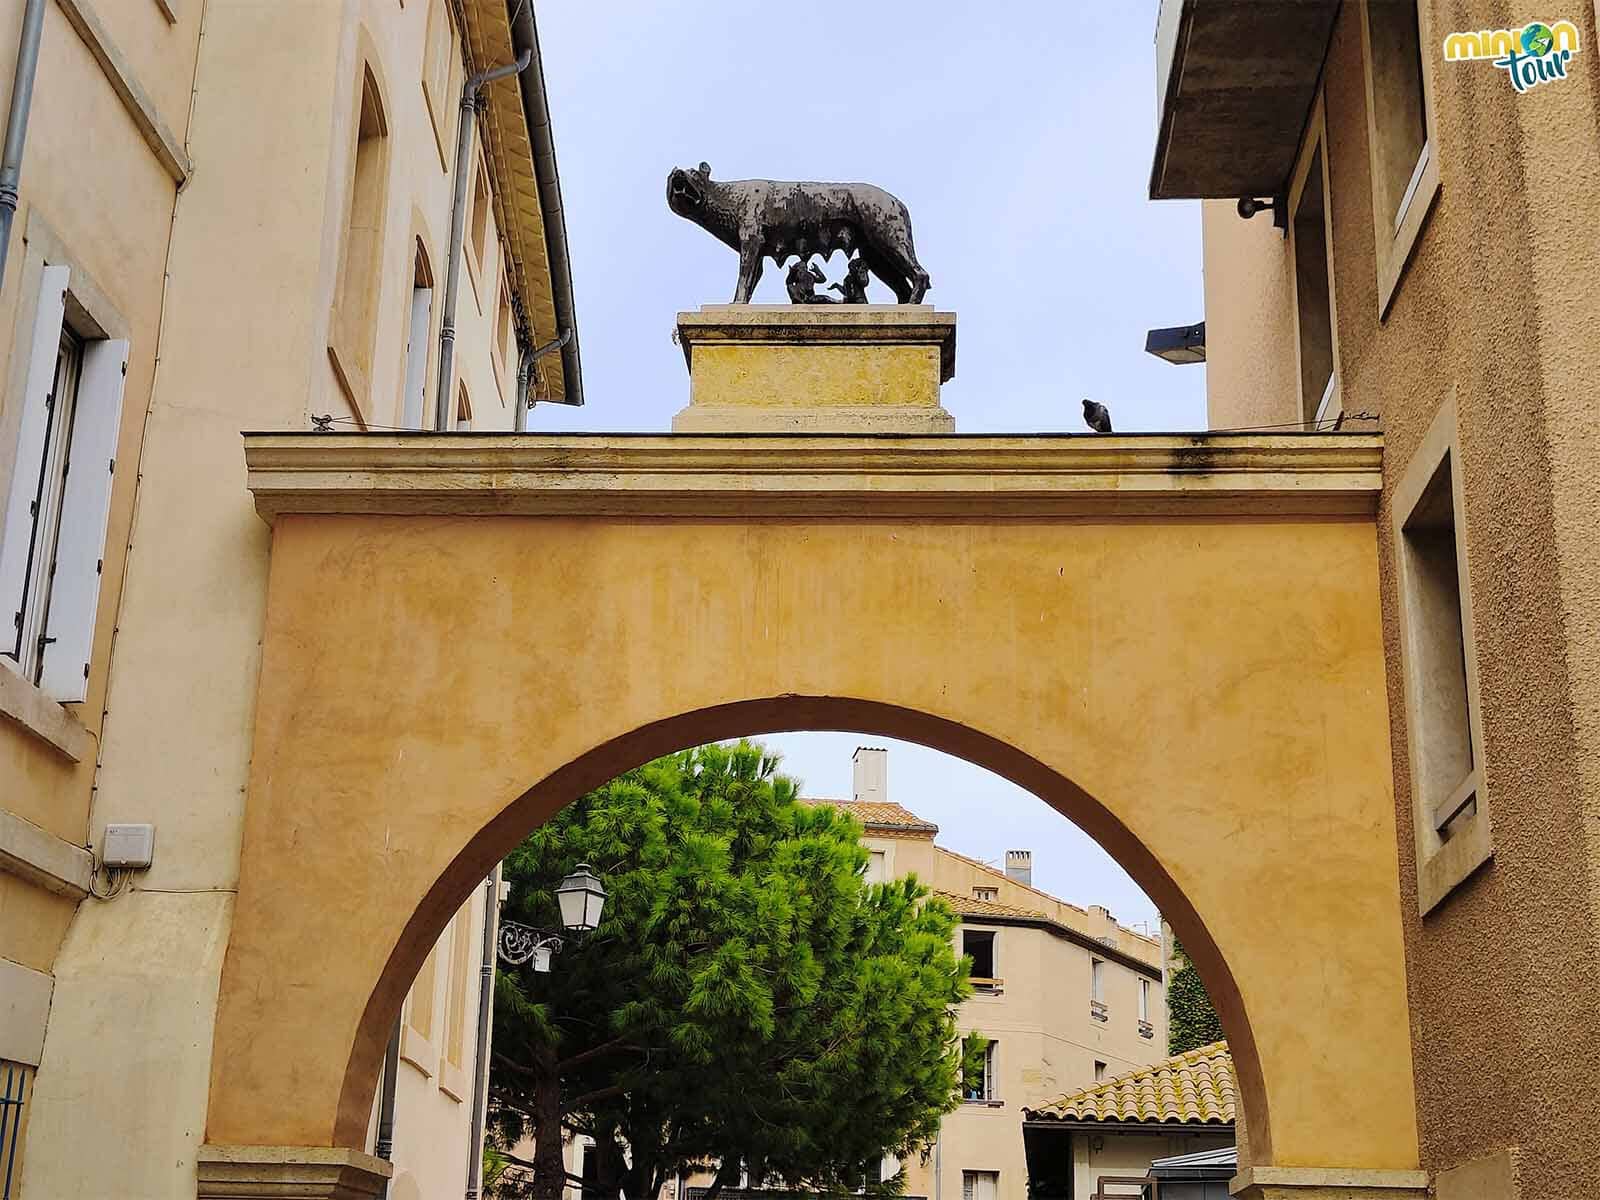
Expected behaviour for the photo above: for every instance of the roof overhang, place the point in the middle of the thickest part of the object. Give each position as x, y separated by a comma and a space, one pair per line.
1139, 1128
1234, 81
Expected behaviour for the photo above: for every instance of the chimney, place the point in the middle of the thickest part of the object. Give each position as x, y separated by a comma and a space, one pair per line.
871, 774
1019, 866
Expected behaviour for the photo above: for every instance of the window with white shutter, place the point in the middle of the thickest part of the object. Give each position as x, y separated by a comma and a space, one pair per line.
53, 539
980, 1185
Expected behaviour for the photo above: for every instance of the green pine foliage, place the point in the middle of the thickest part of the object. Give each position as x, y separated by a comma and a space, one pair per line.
748, 1000
1192, 1022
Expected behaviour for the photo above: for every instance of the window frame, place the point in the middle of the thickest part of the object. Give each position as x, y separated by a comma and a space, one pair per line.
67, 607
984, 984
1441, 865
440, 89
989, 1088
1395, 234
1330, 404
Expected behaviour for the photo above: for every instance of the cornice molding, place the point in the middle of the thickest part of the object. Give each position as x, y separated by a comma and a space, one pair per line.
815, 477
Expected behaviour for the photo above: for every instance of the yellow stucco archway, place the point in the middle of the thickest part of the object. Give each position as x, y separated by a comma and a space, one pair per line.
1174, 641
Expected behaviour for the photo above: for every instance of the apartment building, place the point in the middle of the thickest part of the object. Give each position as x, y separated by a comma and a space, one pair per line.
229, 216
1421, 260
1064, 996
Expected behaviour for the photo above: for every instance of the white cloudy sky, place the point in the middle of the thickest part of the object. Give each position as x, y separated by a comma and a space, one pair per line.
1019, 134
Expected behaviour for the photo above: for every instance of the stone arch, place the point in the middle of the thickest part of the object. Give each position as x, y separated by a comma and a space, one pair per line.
775, 715
434, 683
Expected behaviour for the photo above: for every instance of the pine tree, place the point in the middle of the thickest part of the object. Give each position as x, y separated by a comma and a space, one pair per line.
748, 1002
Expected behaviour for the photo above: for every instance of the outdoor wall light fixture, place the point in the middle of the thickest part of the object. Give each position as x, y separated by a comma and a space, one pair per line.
581, 897
1249, 206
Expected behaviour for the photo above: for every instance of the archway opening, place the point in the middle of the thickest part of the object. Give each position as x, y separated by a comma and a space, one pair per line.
764, 718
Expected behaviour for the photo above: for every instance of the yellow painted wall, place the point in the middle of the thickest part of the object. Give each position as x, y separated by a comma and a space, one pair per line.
646, 626
247, 250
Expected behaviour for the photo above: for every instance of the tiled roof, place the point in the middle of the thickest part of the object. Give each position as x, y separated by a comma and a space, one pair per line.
971, 906
1196, 1088
874, 815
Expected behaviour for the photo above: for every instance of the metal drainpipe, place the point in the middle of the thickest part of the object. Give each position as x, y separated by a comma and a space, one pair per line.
384, 1148
480, 1068
458, 228
17, 122
525, 370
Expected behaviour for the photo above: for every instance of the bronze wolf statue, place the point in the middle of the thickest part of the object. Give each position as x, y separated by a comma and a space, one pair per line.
769, 218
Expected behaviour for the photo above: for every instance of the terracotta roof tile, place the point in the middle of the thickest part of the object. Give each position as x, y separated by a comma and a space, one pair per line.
971, 906
873, 815
1196, 1088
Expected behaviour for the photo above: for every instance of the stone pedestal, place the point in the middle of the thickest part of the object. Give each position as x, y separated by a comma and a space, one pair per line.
1327, 1183
289, 1173
822, 368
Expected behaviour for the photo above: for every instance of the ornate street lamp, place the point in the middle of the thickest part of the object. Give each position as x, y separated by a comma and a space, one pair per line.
581, 897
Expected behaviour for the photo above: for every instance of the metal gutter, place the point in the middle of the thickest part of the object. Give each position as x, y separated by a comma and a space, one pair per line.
536, 110
17, 121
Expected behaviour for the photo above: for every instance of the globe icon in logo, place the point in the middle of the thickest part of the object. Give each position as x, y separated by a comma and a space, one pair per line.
1537, 39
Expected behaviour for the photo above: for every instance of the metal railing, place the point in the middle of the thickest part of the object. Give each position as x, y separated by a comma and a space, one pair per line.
13, 1094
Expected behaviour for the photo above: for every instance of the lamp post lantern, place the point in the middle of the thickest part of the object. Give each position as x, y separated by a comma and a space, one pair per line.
581, 897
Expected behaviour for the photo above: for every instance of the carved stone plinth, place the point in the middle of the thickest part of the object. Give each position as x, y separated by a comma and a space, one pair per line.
823, 368
288, 1173
1327, 1183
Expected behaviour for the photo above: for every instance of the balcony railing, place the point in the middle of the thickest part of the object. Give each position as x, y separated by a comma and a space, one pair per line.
1099, 1011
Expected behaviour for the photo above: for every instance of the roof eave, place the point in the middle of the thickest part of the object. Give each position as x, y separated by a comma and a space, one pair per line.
536, 109
1236, 82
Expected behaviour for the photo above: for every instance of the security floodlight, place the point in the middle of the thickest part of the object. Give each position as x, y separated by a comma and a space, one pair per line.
581, 897
1178, 343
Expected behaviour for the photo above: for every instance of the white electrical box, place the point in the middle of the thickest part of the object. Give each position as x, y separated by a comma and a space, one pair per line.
128, 847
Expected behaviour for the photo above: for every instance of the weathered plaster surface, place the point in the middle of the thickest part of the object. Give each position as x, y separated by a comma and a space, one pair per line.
655, 634
1498, 302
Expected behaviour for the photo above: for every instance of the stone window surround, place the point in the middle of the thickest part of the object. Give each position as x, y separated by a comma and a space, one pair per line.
1396, 239
1441, 866
55, 724
1315, 139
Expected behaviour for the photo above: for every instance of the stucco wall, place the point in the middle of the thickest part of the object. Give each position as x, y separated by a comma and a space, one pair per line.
247, 251
1498, 303
627, 604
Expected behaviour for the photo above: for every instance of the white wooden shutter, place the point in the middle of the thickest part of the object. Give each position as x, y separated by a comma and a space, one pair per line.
17, 531
417, 357
85, 509
968, 1185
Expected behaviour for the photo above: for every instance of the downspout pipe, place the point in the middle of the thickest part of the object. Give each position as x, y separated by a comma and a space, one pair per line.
17, 122
384, 1147
471, 97
536, 111
480, 1066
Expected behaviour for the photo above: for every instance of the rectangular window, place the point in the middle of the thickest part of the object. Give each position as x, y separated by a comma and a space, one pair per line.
1405, 172
441, 59
14, 1079
353, 323
482, 205
985, 893
506, 342
414, 403
419, 1016
1313, 300
1097, 980
980, 1185
980, 1082
1144, 999
1099, 1071
978, 945
1444, 727
876, 869
55, 517
462, 971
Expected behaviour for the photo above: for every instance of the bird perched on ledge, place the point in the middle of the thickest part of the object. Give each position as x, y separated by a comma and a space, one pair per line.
1096, 416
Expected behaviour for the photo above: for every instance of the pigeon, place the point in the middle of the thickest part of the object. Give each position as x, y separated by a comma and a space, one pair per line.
1097, 416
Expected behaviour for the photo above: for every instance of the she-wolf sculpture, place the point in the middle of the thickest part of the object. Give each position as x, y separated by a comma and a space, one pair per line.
770, 218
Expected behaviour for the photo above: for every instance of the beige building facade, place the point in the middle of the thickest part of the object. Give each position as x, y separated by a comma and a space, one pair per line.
1065, 996
231, 216
1430, 270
